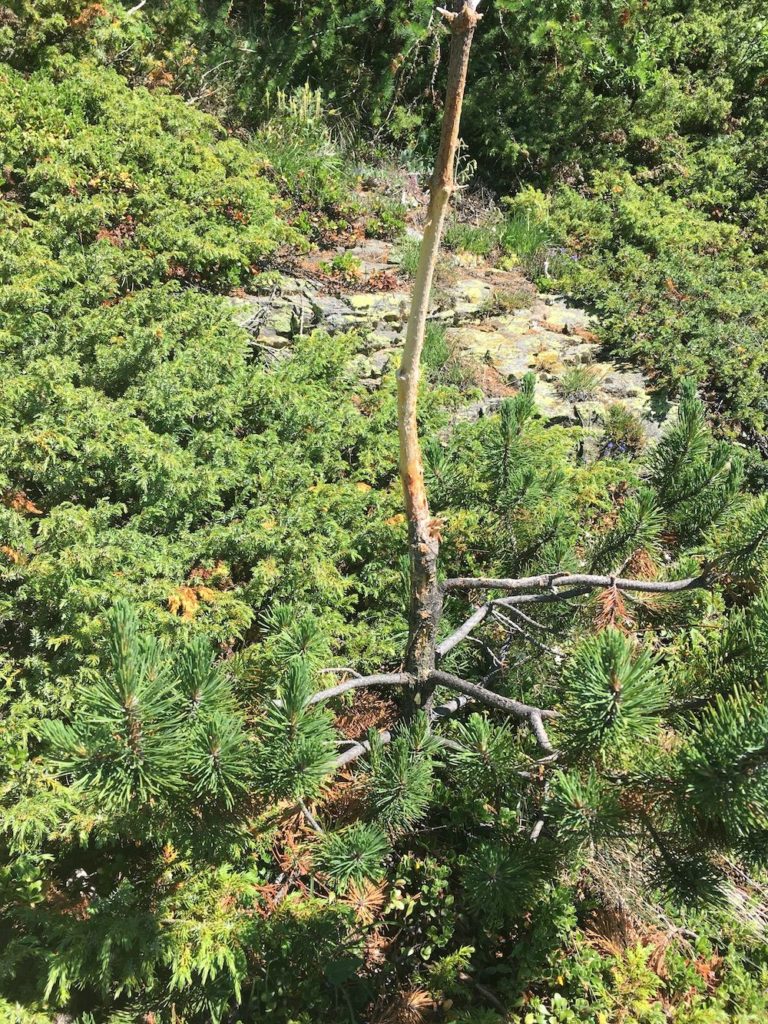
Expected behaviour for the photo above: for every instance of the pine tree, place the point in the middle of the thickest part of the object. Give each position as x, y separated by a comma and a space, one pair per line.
600, 688
621, 757
157, 727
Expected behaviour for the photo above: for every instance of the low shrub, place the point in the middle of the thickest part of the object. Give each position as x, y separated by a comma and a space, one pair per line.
623, 432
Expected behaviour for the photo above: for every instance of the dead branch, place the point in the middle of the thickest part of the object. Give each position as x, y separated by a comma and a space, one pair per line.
551, 581
540, 732
363, 682
578, 585
484, 696
463, 631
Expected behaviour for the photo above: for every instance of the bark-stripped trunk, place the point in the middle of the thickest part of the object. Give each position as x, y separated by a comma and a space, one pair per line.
423, 532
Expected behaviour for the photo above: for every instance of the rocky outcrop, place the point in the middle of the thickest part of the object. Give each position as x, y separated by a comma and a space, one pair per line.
492, 316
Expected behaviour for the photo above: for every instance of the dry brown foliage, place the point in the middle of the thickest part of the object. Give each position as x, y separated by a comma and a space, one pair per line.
409, 1007
612, 610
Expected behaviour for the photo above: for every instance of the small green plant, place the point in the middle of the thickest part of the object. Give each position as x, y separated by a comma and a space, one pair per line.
623, 432
268, 281
579, 383
407, 256
385, 218
303, 106
444, 363
346, 267
308, 160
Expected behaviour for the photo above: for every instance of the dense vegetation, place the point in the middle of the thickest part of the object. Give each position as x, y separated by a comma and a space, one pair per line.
190, 532
645, 122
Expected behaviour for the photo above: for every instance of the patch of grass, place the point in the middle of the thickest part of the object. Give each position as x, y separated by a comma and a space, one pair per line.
436, 352
407, 256
476, 239
444, 363
526, 238
579, 383
507, 300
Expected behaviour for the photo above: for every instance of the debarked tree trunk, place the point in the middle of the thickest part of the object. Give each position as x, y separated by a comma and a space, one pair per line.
423, 530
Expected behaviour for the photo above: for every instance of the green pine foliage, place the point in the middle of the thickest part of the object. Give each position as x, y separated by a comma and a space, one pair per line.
353, 854
586, 806
612, 694
402, 776
190, 534
723, 767
296, 745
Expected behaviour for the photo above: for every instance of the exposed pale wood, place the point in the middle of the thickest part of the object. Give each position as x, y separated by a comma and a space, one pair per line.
423, 531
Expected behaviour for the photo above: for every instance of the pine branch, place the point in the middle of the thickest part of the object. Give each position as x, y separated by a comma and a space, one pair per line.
578, 584
363, 682
362, 747
533, 715
551, 581
515, 627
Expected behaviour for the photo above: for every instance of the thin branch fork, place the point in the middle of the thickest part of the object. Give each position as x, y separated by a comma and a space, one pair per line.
446, 679
517, 628
578, 585
528, 620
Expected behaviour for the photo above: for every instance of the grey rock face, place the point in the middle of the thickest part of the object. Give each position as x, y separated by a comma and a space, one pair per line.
546, 336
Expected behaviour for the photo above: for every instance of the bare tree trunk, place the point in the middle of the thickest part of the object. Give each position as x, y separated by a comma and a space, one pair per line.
423, 531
